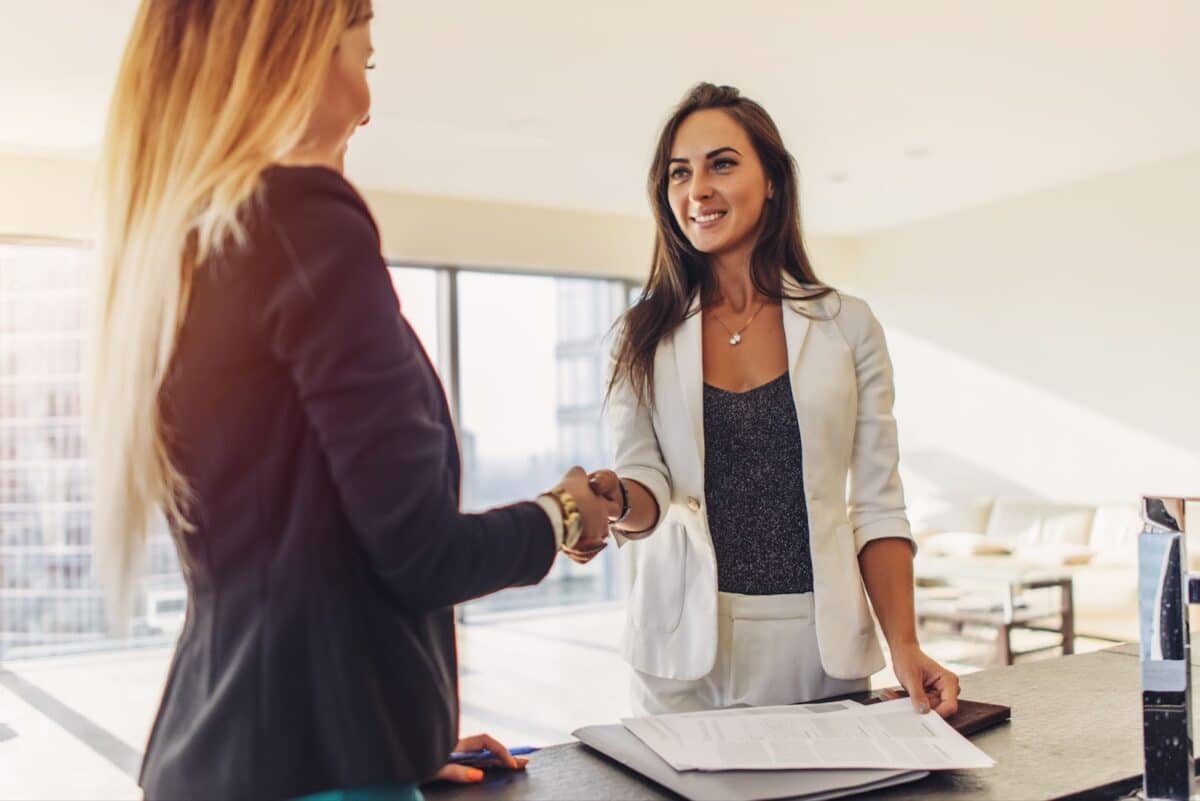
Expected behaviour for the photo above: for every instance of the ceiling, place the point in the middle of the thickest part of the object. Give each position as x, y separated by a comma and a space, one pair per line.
896, 111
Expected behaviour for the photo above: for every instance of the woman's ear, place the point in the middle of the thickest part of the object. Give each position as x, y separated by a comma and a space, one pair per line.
770, 190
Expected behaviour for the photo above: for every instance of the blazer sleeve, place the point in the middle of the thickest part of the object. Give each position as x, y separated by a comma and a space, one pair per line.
636, 451
876, 499
332, 317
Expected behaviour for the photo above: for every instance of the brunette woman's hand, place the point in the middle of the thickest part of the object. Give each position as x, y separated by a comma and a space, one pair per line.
607, 485
930, 685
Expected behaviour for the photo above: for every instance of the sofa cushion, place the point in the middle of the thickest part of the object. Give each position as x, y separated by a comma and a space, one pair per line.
1106, 602
1056, 554
1014, 522
1066, 525
962, 543
1115, 530
935, 513
1025, 523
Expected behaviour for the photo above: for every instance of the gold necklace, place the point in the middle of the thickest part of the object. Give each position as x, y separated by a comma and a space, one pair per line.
736, 336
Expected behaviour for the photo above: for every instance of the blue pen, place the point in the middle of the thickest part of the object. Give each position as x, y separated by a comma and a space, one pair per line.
483, 758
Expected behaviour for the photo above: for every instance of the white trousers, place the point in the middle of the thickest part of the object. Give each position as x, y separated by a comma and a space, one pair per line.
766, 655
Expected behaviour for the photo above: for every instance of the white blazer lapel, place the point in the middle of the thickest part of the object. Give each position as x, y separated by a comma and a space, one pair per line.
795, 324
795, 330
689, 361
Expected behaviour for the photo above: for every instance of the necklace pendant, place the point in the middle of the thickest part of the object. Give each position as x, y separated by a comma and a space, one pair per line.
736, 338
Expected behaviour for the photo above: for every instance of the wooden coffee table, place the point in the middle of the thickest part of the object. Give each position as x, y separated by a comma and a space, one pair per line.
997, 593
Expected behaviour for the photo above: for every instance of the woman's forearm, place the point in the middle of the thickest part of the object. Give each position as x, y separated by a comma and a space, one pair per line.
643, 512
887, 571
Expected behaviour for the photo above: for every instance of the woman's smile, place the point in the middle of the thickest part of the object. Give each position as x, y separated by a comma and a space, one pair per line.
705, 220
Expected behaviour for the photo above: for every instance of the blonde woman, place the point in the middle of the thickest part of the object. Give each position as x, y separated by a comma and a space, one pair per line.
253, 377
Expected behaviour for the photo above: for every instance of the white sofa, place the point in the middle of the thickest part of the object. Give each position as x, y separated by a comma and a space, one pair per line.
1096, 544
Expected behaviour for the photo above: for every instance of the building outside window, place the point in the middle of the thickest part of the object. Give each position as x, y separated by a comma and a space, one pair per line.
533, 354
49, 600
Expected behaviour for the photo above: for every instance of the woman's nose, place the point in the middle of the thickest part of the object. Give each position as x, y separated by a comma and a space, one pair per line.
701, 189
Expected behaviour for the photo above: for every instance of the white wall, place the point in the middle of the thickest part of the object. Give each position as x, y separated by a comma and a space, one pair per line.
1048, 346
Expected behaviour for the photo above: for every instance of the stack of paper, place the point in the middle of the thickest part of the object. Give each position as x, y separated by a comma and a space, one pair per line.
804, 751
890, 735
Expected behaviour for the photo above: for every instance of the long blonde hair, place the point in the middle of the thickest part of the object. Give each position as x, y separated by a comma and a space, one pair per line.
209, 94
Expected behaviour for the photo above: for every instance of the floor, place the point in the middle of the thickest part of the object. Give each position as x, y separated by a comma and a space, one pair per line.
73, 727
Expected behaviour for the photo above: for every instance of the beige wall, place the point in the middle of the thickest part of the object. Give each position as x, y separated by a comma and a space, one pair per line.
473, 233
1048, 345
46, 198
55, 198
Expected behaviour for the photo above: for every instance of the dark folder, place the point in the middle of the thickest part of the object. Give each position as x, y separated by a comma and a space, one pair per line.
971, 717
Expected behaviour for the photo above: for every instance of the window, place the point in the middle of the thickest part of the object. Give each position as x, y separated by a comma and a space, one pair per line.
49, 600
524, 367
533, 358
418, 292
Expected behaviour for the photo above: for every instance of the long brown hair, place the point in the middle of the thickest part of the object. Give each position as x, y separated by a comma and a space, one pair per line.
678, 271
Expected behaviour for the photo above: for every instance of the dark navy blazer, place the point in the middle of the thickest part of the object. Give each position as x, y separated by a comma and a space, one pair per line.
328, 546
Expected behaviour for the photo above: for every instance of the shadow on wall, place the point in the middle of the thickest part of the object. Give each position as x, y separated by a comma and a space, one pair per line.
937, 471
1089, 292
968, 428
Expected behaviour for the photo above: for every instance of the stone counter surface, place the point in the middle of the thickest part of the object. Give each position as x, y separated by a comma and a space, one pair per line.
1075, 731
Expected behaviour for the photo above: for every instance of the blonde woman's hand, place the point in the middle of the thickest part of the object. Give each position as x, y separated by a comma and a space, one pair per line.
593, 510
465, 774
930, 685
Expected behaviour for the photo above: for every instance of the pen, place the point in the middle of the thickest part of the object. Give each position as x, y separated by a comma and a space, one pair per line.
485, 754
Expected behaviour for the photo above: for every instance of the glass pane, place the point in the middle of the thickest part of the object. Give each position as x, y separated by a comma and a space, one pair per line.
49, 600
533, 360
417, 291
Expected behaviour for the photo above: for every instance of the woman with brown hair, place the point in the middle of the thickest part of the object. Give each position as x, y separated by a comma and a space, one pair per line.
744, 394
252, 376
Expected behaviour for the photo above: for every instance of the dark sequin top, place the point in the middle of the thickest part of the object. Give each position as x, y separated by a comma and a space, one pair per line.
754, 486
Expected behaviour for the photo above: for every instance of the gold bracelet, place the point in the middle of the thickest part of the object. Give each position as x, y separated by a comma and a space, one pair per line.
572, 521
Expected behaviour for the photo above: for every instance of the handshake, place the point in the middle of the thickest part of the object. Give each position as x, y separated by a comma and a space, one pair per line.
599, 498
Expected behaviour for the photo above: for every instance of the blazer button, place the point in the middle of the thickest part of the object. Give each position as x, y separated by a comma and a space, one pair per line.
694, 504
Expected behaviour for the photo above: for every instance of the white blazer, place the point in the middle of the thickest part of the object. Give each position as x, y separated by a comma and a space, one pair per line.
842, 383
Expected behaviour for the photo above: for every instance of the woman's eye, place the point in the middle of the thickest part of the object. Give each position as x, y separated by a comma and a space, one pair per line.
371, 66
723, 164
678, 174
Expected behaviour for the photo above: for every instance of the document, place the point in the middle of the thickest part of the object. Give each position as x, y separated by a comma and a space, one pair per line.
617, 743
890, 735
